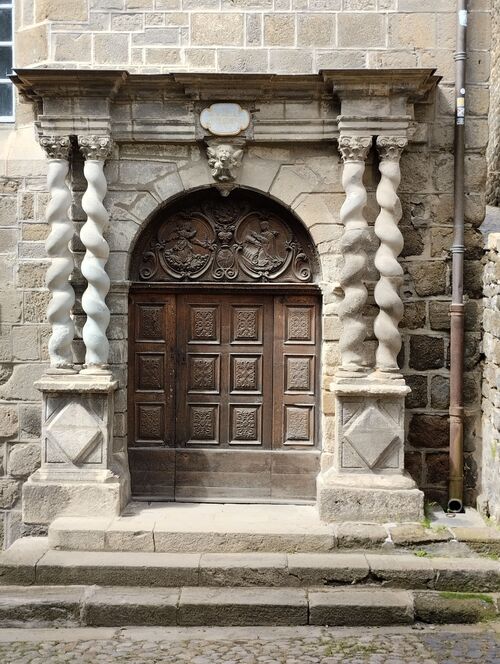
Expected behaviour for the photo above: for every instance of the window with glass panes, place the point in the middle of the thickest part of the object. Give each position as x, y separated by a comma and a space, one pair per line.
6, 89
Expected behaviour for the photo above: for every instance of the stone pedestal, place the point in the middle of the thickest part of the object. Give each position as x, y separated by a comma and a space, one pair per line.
367, 481
79, 475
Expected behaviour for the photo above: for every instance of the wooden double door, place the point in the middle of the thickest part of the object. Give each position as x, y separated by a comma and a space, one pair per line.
223, 393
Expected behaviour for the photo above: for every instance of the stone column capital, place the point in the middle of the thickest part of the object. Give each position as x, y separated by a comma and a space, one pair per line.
354, 148
56, 147
95, 147
390, 148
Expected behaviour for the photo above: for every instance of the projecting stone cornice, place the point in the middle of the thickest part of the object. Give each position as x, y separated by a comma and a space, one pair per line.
283, 108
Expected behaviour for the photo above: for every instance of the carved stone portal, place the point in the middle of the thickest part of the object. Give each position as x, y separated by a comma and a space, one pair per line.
220, 240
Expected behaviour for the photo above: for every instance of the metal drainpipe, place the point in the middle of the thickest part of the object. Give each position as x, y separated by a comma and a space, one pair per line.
456, 479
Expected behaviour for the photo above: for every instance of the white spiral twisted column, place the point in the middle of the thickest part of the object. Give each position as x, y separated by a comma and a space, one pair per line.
95, 150
386, 258
354, 150
61, 266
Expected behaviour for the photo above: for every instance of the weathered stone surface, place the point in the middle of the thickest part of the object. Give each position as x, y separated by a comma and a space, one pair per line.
428, 431
360, 607
43, 607
407, 534
429, 277
360, 535
445, 608
378, 505
217, 29
250, 606
327, 568
466, 575
9, 493
418, 395
401, 571
43, 502
17, 564
24, 460
115, 568
439, 315
57, 11
245, 569
119, 606
440, 392
414, 315
426, 352
9, 422
361, 30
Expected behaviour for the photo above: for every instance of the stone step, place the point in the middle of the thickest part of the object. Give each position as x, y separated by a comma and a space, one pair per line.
29, 561
41, 606
217, 528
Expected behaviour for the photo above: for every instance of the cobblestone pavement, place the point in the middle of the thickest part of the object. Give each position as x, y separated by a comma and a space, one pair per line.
255, 645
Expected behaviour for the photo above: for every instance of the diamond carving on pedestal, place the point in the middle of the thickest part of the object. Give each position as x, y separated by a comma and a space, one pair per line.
371, 434
75, 432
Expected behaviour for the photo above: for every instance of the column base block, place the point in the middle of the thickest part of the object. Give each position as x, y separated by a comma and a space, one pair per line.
369, 498
44, 501
81, 474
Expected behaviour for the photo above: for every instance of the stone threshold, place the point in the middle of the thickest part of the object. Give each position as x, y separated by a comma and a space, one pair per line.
231, 528
207, 606
29, 561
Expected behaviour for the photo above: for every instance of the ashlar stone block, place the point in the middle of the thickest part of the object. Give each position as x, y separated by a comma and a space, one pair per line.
367, 481
79, 474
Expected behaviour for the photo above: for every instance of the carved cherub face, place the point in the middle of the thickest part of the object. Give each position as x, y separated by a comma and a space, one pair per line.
224, 154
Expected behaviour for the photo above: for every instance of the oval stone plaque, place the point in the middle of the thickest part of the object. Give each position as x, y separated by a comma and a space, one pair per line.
225, 119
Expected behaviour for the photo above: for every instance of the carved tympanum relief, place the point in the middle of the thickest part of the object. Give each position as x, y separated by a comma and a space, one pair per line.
222, 241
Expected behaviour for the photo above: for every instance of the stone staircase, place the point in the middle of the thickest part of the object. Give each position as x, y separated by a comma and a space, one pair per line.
248, 565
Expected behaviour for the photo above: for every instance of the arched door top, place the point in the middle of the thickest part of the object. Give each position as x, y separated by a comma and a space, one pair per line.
245, 238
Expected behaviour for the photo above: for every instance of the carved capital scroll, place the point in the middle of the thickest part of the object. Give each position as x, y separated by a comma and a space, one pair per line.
354, 150
390, 148
388, 286
95, 147
56, 147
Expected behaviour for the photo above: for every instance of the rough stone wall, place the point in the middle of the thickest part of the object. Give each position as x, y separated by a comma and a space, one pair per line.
294, 36
493, 152
489, 500
247, 35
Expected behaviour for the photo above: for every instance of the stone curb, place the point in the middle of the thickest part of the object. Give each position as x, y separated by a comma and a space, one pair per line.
39, 606
28, 562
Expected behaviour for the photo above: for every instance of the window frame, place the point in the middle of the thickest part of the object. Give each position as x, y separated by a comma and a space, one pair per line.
9, 4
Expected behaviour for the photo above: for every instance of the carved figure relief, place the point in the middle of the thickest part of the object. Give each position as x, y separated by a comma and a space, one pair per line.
219, 241
224, 160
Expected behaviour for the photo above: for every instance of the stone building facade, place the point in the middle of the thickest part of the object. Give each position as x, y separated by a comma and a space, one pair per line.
309, 138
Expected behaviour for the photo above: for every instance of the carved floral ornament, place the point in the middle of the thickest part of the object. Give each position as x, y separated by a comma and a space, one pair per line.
56, 147
95, 147
221, 241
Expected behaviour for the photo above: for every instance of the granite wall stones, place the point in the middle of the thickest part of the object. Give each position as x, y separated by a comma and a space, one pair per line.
489, 499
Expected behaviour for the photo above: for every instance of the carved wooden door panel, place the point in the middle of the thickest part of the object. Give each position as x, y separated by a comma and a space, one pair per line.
234, 417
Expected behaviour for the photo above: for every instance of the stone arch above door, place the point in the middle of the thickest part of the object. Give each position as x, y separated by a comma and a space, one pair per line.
244, 238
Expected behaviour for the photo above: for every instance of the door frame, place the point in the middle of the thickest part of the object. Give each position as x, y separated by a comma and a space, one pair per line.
176, 288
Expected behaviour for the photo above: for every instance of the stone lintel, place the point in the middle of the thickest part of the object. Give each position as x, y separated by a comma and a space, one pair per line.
77, 384
82, 101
